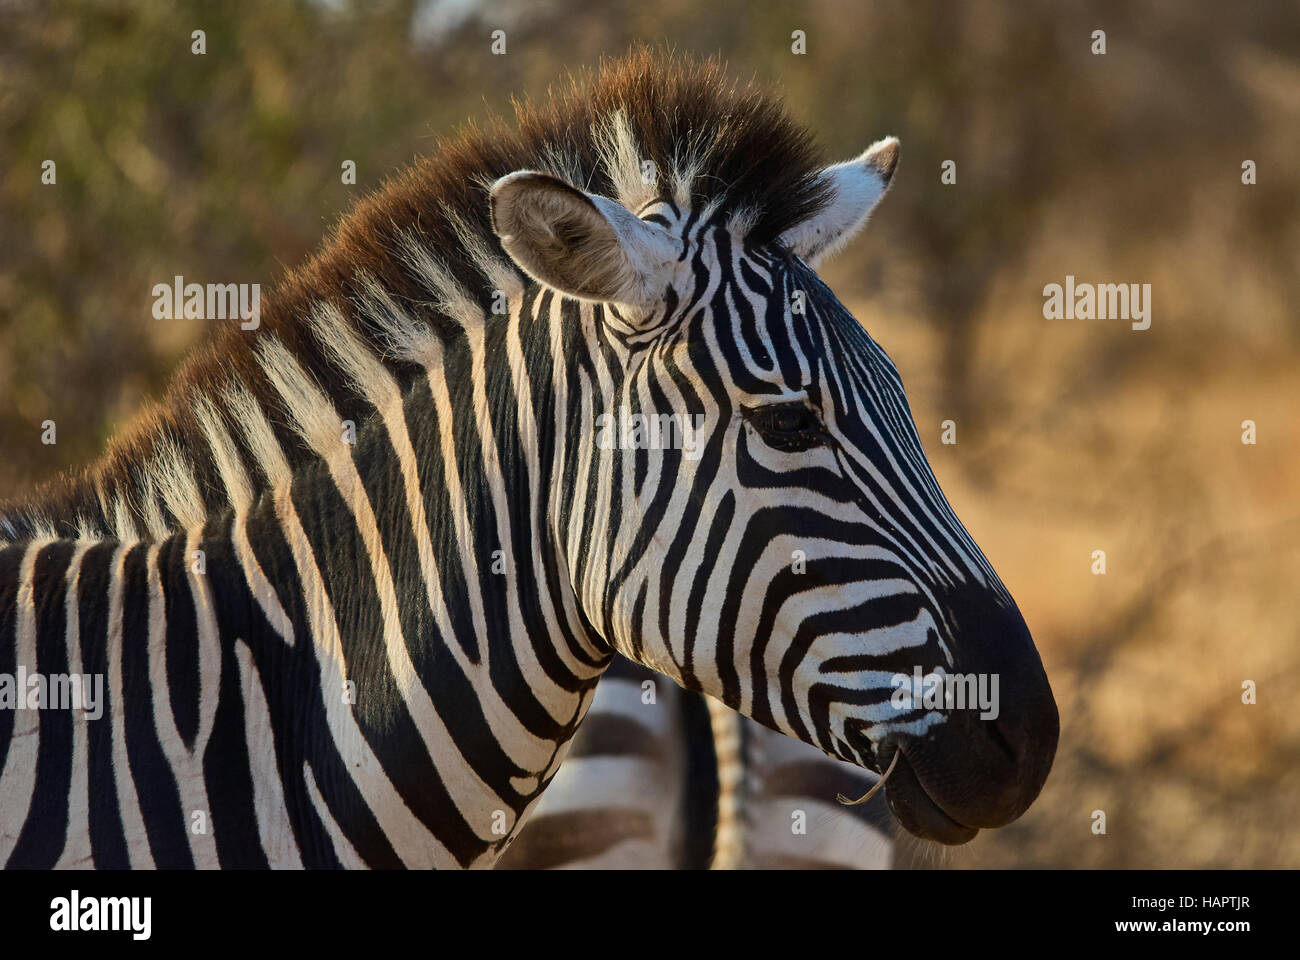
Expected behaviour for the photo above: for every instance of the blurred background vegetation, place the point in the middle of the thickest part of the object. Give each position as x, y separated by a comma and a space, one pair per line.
1073, 436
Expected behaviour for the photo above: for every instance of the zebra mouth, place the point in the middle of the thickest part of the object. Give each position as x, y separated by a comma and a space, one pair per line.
918, 812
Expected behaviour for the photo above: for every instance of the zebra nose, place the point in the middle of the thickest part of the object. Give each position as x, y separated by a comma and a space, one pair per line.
1017, 735
988, 761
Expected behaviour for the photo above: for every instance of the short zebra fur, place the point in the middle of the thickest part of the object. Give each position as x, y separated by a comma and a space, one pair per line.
336, 654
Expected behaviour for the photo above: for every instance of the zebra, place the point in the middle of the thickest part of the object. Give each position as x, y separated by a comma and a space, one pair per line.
660, 778
351, 585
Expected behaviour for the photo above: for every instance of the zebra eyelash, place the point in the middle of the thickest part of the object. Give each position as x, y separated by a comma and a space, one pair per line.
790, 427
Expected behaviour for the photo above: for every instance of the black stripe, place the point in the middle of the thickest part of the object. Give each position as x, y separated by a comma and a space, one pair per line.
614, 735
11, 561
559, 838
41, 840
155, 783
107, 837
380, 711
182, 639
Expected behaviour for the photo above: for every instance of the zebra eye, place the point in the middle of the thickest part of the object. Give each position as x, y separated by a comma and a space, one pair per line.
789, 427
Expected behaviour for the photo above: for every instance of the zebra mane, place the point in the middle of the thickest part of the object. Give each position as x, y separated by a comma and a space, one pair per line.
415, 264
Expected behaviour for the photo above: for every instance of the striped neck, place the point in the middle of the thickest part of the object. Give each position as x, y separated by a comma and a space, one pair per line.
377, 656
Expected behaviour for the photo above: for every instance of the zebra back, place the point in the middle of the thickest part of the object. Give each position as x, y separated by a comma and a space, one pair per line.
618, 799
662, 778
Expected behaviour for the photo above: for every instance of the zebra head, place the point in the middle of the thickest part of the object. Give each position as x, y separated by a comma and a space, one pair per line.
746, 506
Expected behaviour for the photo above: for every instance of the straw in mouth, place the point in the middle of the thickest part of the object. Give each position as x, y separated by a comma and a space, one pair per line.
872, 792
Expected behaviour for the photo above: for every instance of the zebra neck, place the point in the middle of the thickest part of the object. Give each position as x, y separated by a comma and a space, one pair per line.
268, 699
371, 656
449, 665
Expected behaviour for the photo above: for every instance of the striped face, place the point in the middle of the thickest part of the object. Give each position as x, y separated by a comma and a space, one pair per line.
749, 509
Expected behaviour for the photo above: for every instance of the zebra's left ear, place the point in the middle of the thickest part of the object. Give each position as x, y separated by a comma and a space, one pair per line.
581, 244
856, 187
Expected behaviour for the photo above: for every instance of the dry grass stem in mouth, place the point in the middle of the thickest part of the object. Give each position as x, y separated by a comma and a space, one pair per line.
872, 792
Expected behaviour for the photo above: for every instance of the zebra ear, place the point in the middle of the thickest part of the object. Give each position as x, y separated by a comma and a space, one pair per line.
856, 187
581, 244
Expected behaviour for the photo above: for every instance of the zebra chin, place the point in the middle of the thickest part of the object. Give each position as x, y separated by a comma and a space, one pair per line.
972, 772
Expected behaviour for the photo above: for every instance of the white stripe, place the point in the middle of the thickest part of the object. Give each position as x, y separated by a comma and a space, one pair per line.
77, 852
137, 839
620, 697
880, 641
258, 585
273, 824
239, 492
343, 850
18, 777
832, 838
186, 764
